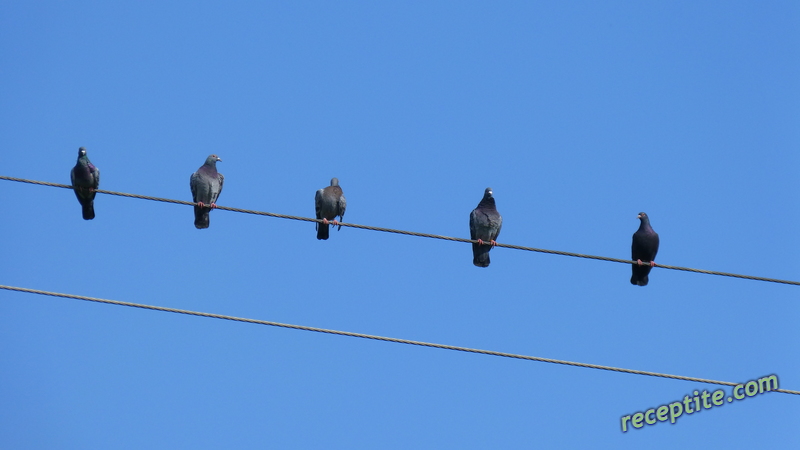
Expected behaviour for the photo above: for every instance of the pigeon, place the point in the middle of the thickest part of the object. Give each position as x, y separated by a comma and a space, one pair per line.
484, 225
85, 180
643, 251
206, 186
329, 203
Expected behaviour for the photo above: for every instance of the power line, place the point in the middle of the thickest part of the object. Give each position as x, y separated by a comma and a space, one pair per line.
413, 233
380, 338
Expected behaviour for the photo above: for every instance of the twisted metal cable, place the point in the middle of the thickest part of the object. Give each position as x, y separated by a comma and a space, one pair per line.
414, 233
381, 338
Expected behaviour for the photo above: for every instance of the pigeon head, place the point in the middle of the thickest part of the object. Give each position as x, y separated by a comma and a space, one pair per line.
334, 181
488, 199
212, 160
81, 152
643, 218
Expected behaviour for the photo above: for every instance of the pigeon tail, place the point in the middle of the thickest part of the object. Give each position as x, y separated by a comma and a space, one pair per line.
323, 231
88, 210
201, 219
86, 199
480, 255
640, 275
640, 282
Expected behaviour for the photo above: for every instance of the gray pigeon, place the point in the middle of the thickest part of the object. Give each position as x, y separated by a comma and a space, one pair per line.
643, 250
484, 225
206, 186
329, 203
85, 180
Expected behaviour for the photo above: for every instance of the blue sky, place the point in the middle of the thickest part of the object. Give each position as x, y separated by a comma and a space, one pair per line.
579, 115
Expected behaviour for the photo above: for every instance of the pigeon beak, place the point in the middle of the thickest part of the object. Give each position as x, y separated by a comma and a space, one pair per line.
219, 159
638, 216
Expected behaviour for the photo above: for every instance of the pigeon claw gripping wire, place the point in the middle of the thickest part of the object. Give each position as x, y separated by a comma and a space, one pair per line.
213, 205
494, 243
203, 205
480, 241
325, 221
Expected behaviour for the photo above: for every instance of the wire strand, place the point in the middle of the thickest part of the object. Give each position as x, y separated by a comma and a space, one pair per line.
413, 233
381, 338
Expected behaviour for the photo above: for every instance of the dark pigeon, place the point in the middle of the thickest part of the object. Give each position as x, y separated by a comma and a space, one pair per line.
484, 225
643, 250
85, 180
206, 186
329, 203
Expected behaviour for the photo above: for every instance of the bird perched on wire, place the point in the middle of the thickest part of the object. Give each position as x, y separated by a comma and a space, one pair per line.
329, 202
643, 251
85, 180
484, 226
206, 185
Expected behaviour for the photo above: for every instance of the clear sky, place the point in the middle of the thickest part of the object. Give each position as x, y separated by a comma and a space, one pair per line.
579, 115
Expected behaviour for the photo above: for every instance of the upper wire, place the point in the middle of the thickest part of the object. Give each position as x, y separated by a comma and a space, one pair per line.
414, 233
